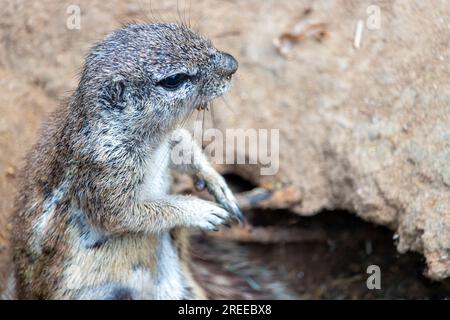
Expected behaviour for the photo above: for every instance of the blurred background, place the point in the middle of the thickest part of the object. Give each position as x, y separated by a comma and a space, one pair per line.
360, 93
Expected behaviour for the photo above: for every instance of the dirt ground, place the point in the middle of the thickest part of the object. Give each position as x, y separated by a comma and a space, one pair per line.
378, 151
330, 262
335, 268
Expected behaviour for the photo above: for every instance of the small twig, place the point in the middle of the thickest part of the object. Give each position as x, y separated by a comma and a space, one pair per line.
272, 235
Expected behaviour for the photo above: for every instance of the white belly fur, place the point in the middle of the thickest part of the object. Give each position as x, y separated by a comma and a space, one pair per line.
156, 175
168, 282
169, 278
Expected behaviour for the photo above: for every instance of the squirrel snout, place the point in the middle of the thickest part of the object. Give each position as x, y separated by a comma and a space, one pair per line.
229, 65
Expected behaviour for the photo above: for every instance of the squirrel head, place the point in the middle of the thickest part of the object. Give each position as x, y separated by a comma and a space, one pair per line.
153, 75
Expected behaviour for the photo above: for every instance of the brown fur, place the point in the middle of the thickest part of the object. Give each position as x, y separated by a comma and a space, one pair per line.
94, 219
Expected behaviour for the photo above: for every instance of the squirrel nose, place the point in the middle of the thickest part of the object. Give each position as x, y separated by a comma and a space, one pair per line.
229, 64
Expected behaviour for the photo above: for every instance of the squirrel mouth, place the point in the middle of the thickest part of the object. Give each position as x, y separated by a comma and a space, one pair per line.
202, 106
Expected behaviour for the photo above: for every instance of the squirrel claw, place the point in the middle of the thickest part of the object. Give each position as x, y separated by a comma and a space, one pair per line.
217, 186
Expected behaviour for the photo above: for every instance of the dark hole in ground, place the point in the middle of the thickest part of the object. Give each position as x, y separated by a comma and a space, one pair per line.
237, 183
332, 269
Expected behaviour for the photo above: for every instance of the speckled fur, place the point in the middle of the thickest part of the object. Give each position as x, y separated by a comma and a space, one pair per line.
94, 217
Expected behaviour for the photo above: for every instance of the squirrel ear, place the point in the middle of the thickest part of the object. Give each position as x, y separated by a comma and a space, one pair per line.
117, 92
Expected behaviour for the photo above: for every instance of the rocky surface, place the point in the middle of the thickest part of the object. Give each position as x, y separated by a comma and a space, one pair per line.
365, 130
368, 129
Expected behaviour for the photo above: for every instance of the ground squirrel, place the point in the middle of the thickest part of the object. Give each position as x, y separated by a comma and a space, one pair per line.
94, 217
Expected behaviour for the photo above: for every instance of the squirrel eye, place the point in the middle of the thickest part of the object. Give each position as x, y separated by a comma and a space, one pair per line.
174, 82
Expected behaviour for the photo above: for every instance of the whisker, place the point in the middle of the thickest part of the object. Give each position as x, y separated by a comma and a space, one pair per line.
189, 13
197, 120
147, 18
213, 120
163, 15
188, 20
203, 130
184, 14
229, 107
180, 21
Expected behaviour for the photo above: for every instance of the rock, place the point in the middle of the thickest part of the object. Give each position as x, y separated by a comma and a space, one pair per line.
363, 130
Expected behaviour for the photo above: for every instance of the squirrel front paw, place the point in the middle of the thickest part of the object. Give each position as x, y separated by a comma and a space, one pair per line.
217, 186
207, 215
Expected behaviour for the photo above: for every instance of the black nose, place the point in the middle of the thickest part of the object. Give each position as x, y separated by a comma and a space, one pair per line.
229, 64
